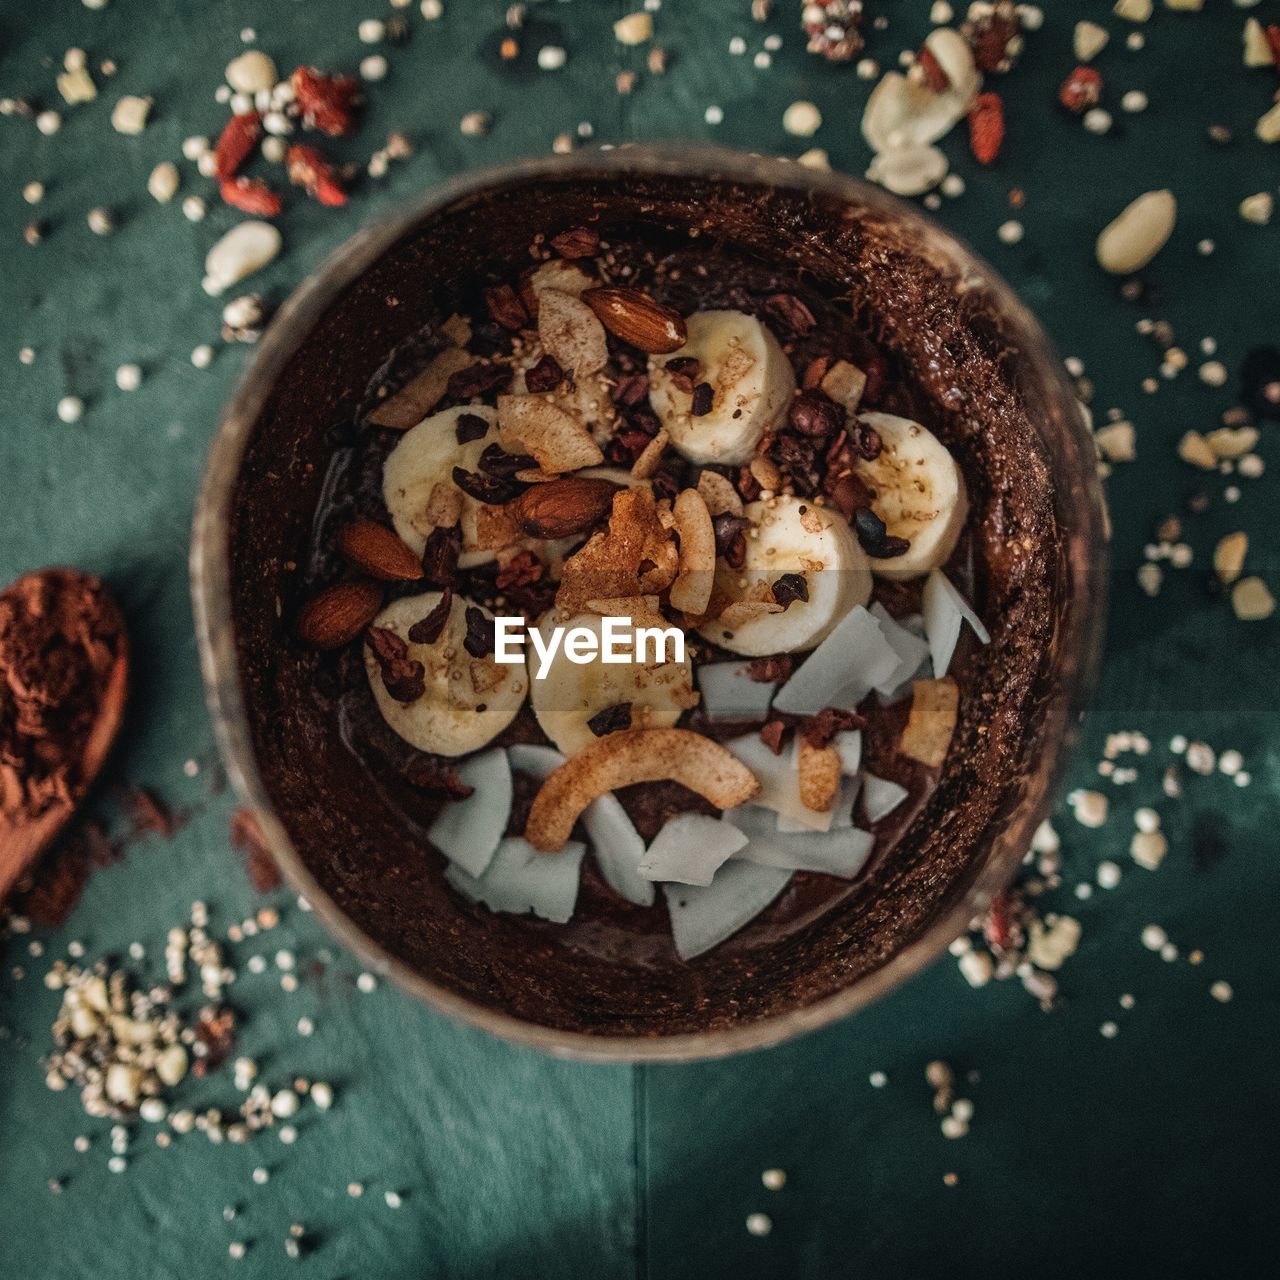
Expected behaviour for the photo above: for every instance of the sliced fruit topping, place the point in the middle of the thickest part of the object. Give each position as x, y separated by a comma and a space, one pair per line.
750, 379
787, 536
466, 698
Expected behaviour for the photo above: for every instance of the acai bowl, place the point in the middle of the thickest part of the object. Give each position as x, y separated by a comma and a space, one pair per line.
773, 411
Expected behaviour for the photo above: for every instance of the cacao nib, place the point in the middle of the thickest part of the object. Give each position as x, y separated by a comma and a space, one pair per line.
773, 735
703, 396
683, 372
428, 630
478, 380
479, 640
819, 730
468, 427
577, 242
611, 720
789, 588
436, 775
866, 441
485, 488
730, 536
874, 537
789, 314
630, 388
774, 670
402, 676
496, 461
813, 414
505, 306
798, 458
440, 556
546, 375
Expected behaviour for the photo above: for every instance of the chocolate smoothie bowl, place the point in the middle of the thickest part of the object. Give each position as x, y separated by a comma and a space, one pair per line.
772, 411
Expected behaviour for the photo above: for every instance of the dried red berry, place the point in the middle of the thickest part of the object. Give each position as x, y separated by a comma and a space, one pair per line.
986, 127
327, 103
236, 143
310, 169
934, 76
251, 195
1081, 90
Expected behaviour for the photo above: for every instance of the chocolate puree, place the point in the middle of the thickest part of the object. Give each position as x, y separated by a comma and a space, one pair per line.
334, 769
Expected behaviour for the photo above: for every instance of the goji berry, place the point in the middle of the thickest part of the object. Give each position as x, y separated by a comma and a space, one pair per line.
251, 195
326, 102
1081, 90
986, 127
236, 143
308, 168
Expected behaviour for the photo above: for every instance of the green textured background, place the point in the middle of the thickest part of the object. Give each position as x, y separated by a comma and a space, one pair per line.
1150, 1154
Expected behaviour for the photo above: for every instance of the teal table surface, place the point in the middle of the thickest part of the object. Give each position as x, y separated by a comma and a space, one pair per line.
1150, 1152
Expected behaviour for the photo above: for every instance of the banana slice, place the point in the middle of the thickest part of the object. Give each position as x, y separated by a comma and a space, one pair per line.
917, 490
789, 535
571, 693
468, 701
751, 383
425, 458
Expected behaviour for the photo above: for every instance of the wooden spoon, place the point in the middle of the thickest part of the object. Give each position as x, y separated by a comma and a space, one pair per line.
58, 624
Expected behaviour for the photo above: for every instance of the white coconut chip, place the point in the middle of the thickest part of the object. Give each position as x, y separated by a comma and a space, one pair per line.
703, 916
880, 797
944, 610
910, 646
841, 811
616, 843
618, 848
468, 831
842, 851
849, 746
854, 659
779, 780
520, 879
729, 693
690, 848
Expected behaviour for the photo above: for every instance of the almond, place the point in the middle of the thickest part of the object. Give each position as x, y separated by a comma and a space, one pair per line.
562, 508
637, 319
377, 551
339, 613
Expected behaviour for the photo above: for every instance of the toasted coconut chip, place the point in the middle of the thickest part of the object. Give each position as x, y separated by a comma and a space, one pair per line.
704, 916
556, 273
880, 797
764, 471
616, 843
533, 424
468, 831
944, 610
932, 722
690, 848
650, 456
520, 880
444, 506
634, 555
642, 610
691, 591
497, 527
719, 494
635, 755
457, 328
778, 776
844, 383
741, 612
570, 332
819, 775
421, 394
849, 746
729, 692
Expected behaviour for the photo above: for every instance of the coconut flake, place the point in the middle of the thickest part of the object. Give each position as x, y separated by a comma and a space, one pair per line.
842, 851
944, 610
690, 848
880, 797
615, 841
729, 693
779, 780
908, 171
618, 849
520, 879
841, 811
849, 746
854, 659
912, 649
703, 916
468, 831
